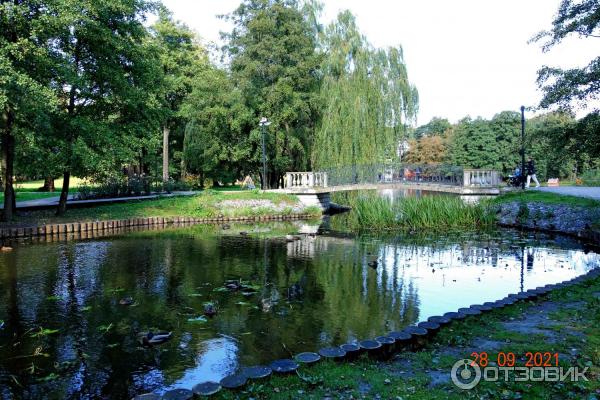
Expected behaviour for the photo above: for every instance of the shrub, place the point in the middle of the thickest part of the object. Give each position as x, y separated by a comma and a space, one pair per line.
591, 177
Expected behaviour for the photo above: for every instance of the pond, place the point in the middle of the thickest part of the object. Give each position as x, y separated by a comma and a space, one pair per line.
65, 333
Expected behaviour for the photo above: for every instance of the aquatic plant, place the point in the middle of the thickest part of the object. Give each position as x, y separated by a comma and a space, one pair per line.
437, 213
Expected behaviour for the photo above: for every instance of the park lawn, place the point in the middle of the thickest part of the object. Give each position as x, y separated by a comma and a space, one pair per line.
406, 377
204, 205
25, 196
534, 196
28, 190
33, 186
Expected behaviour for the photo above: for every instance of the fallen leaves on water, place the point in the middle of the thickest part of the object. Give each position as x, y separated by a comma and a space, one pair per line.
105, 328
49, 377
44, 332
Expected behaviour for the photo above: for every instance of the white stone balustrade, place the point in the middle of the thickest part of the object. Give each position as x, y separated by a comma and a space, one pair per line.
480, 177
298, 180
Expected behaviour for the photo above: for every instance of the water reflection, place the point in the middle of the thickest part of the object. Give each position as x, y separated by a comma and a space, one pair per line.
67, 335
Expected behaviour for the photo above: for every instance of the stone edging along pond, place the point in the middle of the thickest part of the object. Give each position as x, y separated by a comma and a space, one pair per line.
382, 347
88, 228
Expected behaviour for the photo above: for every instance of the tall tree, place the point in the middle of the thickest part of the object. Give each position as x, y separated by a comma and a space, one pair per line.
274, 64
215, 146
368, 99
436, 127
25, 66
182, 59
484, 143
564, 88
427, 150
553, 143
104, 69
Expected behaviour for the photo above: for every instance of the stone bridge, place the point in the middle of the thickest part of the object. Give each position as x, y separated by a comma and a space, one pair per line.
314, 188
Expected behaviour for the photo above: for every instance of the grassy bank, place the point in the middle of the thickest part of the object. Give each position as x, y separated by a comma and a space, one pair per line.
534, 196
572, 322
548, 211
205, 205
436, 213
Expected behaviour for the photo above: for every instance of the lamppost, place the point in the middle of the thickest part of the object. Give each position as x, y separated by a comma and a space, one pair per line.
263, 125
523, 147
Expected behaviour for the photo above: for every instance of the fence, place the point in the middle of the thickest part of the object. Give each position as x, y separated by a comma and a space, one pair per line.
397, 173
440, 174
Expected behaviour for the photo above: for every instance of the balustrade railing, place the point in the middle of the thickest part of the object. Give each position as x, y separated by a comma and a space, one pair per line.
396, 173
297, 180
481, 177
399, 173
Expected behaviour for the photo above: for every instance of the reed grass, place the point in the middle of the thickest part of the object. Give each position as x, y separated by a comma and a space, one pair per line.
435, 213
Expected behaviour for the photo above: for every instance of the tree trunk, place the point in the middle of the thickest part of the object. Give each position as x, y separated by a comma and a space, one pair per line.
166, 132
64, 194
48, 185
8, 158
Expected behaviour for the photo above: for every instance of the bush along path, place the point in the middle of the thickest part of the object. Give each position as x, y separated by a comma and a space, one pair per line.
556, 325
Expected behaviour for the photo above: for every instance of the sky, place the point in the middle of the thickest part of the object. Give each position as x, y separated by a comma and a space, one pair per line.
466, 57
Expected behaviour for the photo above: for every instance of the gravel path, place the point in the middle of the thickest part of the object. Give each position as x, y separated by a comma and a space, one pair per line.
579, 191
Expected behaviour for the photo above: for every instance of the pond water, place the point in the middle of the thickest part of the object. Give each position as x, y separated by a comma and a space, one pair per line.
66, 335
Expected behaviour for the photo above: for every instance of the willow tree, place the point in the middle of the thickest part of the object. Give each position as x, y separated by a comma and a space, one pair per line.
367, 97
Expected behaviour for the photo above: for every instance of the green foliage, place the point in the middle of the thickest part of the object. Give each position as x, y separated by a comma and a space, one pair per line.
183, 62
481, 143
367, 98
274, 64
591, 178
576, 85
26, 70
420, 213
103, 85
436, 127
558, 143
215, 144
124, 186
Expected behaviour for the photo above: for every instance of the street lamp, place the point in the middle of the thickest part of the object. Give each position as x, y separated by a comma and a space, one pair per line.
263, 125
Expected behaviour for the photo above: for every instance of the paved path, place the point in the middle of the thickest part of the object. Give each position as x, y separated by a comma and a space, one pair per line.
51, 202
579, 191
